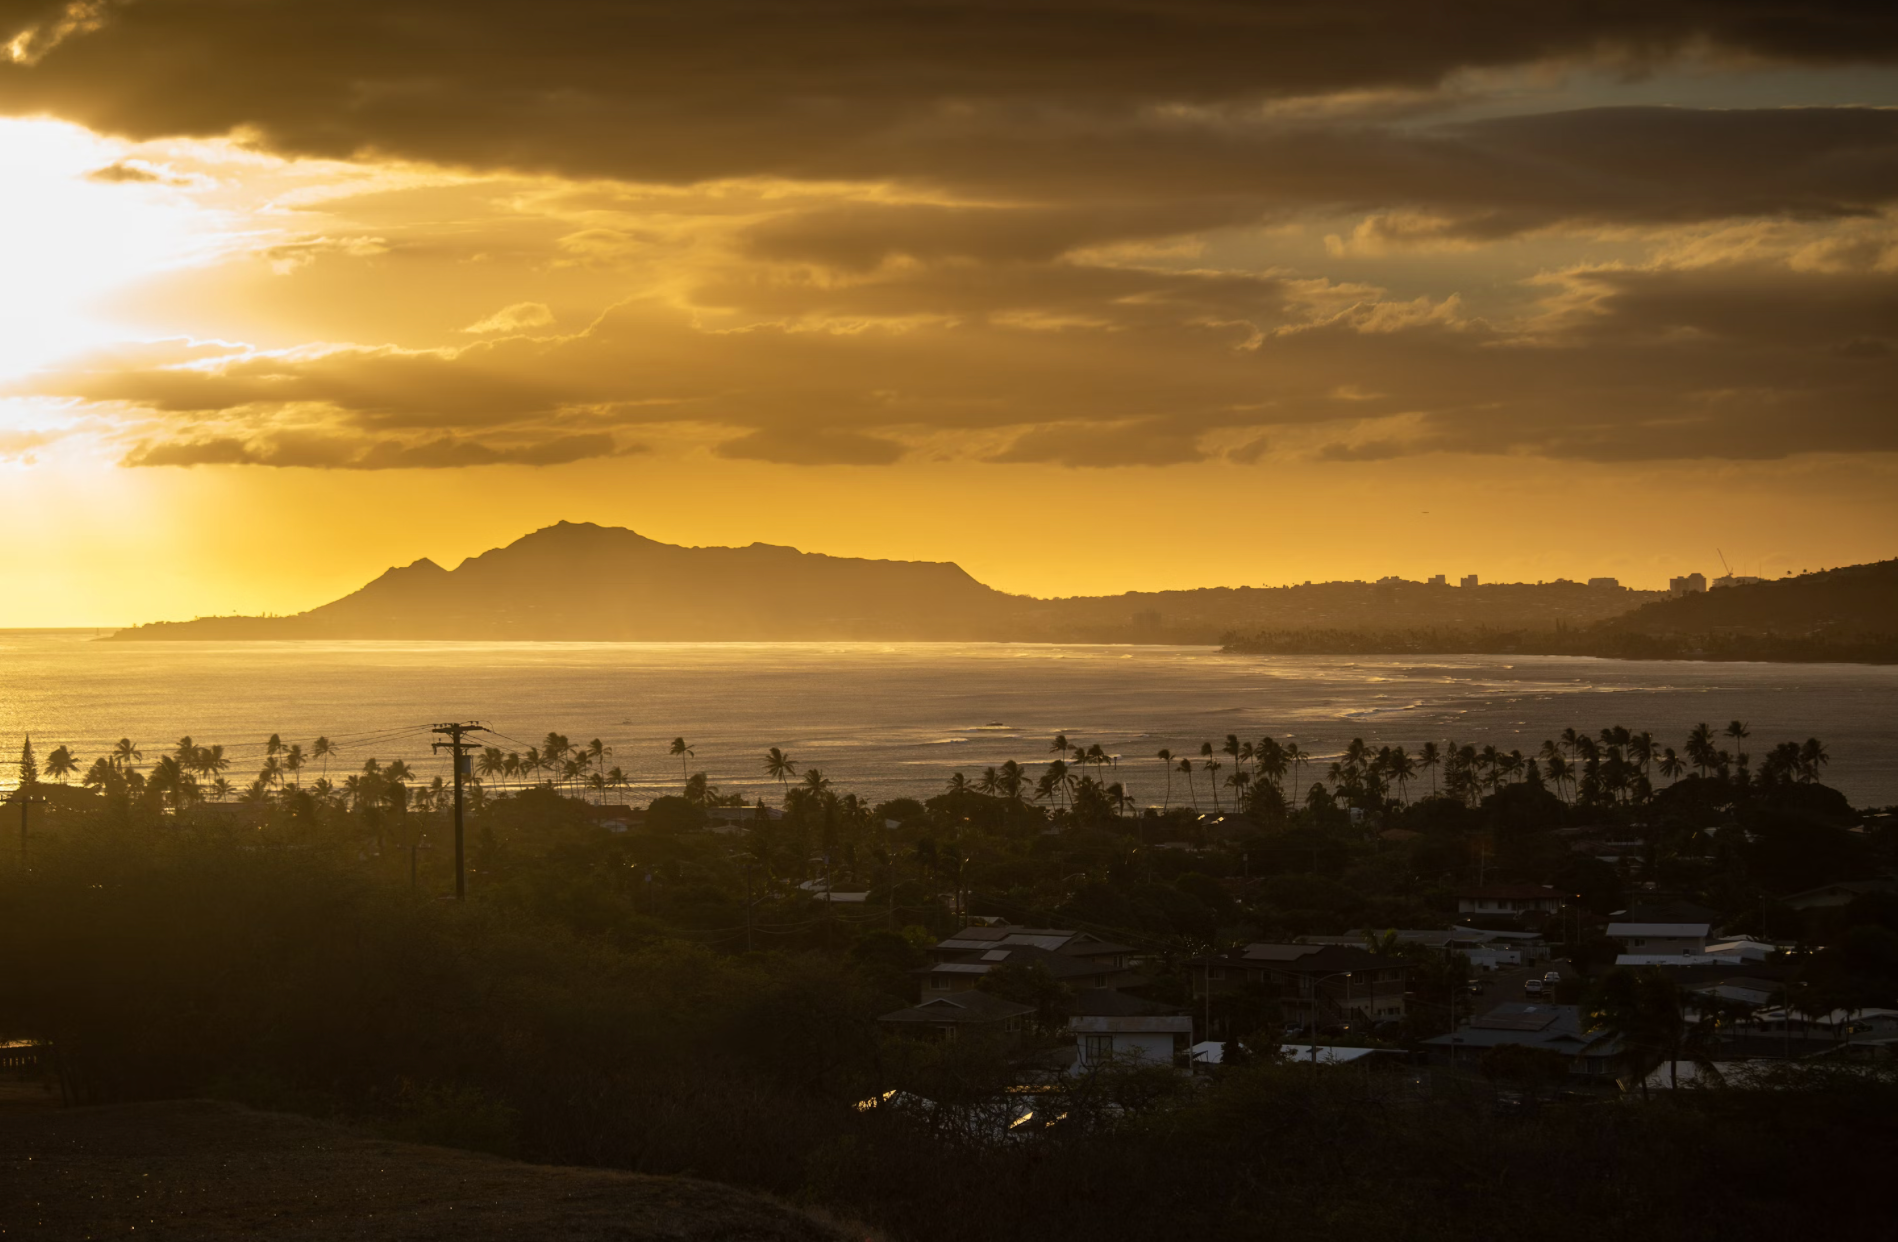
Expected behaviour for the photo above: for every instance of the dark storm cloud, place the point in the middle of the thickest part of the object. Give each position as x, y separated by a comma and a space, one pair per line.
653, 89
1739, 361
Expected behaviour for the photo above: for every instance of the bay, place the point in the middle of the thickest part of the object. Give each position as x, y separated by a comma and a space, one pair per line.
894, 719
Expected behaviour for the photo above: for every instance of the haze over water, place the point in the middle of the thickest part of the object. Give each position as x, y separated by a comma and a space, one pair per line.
886, 719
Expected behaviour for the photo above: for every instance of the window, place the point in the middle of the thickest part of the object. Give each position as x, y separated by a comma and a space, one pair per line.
1095, 1048
939, 983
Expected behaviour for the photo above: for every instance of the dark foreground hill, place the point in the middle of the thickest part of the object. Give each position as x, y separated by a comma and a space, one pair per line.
1836, 603
581, 582
198, 1169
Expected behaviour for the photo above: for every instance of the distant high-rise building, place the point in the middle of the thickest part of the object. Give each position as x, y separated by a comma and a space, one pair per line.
1469, 580
1692, 584
1438, 580
1604, 582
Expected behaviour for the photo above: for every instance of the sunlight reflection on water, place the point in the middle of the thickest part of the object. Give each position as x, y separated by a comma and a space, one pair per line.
886, 719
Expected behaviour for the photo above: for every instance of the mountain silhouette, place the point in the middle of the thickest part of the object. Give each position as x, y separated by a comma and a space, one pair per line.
577, 581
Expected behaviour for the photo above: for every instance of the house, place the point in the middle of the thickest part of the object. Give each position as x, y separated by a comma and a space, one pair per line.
1213, 1052
1481, 947
1320, 984
958, 1017
1228, 827
1510, 902
1154, 1039
1660, 939
1075, 958
1549, 1028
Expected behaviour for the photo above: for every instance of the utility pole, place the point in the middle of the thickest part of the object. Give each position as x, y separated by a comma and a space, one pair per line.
747, 907
27, 797
460, 750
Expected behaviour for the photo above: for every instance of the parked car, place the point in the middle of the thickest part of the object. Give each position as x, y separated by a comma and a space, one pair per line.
1533, 987
1552, 978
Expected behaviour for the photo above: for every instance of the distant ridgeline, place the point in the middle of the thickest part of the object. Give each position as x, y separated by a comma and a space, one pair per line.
1848, 614
581, 583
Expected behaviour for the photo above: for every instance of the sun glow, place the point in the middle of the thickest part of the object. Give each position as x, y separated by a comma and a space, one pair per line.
82, 219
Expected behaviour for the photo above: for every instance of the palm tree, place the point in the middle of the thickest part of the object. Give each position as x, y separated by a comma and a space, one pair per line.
492, 762
220, 789
1402, 769
958, 784
1739, 732
1700, 747
1060, 745
1165, 757
599, 753
554, 749
1641, 749
618, 779
1186, 769
212, 763
1671, 765
680, 749
100, 774
1429, 758
779, 767
1812, 757
273, 746
1011, 780
125, 754
1271, 760
322, 748
397, 772
1296, 756
816, 784
990, 782
293, 761
1560, 773
61, 763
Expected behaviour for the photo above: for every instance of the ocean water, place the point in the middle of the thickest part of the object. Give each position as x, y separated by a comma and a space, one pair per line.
890, 719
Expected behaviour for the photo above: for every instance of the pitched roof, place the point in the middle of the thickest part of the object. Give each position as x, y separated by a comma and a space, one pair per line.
1555, 1028
1150, 1024
960, 1008
1107, 1003
1312, 958
1503, 892
1678, 931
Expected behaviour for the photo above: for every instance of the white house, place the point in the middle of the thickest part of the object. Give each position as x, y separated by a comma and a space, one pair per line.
1660, 939
1151, 1039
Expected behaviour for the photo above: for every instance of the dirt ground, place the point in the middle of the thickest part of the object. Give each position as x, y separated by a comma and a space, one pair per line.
199, 1169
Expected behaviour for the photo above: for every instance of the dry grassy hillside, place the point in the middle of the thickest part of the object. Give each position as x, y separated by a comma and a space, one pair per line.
198, 1169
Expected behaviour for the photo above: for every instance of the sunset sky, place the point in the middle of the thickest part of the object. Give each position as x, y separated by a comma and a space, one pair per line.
1084, 296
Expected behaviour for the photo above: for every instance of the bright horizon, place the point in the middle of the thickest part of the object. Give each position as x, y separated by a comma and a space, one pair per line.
1588, 301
